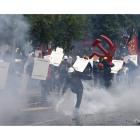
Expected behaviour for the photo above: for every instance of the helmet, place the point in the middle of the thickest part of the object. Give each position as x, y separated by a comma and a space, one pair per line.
77, 56
100, 65
85, 57
70, 70
105, 58
65, 57
121, 58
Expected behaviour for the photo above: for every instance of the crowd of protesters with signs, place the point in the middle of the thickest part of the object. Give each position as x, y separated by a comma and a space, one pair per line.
56, 71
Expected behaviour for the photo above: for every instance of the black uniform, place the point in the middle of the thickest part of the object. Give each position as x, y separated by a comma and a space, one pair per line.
101, 77
63, 70
131, 71
75, 84
107, 75
95, 72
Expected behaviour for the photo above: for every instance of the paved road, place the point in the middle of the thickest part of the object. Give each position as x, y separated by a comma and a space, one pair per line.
30, 110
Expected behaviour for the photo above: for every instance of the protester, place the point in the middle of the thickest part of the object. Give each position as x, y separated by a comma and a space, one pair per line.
28, 68
122, 76
95, 72
63, 70
131, 71
100, 70
13, 82
108, 77
46, 84
74, 82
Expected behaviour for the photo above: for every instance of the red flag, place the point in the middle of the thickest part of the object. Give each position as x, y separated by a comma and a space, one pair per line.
133, 46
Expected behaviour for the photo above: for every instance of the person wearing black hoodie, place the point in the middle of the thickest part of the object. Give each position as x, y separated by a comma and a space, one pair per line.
74, 82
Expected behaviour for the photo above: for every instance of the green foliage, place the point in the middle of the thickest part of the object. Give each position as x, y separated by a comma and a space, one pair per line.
59, 29
62, 29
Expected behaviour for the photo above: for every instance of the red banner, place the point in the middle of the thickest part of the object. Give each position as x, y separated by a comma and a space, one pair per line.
133, 46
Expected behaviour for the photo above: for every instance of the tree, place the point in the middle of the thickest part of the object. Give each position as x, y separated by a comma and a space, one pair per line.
70, 27
116, 27
58, 29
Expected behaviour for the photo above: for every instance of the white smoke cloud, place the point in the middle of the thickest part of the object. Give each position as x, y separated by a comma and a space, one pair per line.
13, 27
102, 101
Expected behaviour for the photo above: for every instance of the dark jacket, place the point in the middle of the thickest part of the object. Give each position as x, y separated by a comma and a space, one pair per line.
74, 81
131, 65
64, 66
95, 67
101, 75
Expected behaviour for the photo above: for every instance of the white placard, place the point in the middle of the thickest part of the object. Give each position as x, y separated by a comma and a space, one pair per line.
126, 58
47, 56
40, 69
56, 58
4, 67
132, 57
60, 50
118, 65
37, 53
80, 64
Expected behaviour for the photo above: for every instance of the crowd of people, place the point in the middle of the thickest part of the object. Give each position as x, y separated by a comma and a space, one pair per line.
65, 76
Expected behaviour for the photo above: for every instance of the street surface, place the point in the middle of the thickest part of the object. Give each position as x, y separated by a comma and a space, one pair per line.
31, 110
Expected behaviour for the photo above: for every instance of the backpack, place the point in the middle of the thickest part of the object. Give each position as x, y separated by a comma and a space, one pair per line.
64, 68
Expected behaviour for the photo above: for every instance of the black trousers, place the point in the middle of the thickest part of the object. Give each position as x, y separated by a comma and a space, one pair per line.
45, 88
79, 97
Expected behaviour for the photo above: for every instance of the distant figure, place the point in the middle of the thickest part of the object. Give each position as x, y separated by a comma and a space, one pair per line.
63, 70
131, 70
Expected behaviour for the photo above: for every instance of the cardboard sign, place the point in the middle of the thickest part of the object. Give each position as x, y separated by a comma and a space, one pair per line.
37, 53
118, 65
4, 67
132, 58
126, 58
80, 64
47, 56
95, 58
56, 58
59, 50
40, 69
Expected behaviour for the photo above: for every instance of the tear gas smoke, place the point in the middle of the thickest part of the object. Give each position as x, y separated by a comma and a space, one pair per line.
101, 101
11, 27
